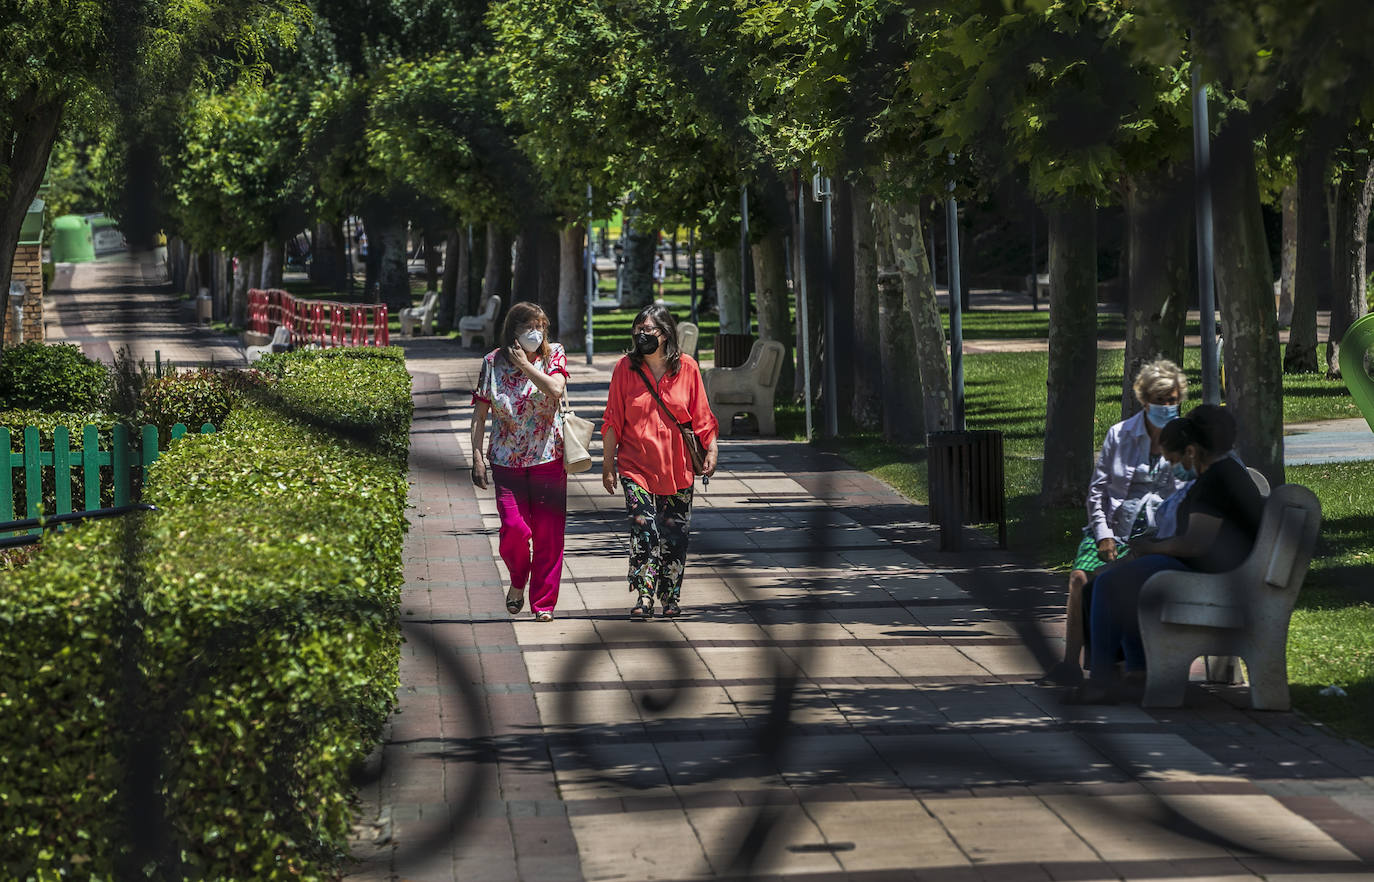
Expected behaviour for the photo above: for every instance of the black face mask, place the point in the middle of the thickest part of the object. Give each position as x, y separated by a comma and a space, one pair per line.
646, 344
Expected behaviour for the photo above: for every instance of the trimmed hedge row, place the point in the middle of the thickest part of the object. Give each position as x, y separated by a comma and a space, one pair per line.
200, 702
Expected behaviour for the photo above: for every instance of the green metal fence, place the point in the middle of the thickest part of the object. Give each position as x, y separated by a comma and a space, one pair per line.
124, 460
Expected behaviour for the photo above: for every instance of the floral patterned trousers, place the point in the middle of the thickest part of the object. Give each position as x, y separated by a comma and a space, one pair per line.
658, 540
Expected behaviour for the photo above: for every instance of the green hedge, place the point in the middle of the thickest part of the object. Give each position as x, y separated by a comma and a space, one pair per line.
53, 377
262, 618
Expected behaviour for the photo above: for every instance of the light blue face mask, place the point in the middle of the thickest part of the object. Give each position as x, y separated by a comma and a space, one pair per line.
1182, 474
1160, 414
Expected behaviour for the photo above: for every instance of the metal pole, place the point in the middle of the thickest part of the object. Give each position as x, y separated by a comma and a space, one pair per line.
588, 342
1202, 171
801, 293
692, 267
744, 258
832, 411
956, 308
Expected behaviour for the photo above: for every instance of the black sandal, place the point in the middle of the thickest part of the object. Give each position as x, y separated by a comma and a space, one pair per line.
514, 606
643, 609
670, 609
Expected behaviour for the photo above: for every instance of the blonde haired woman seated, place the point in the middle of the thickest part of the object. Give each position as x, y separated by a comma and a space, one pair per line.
1131, 479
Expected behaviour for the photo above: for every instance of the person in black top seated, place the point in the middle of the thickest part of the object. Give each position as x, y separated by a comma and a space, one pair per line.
1221, 512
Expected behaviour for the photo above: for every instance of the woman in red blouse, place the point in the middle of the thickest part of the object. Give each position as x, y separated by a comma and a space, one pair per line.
645, 450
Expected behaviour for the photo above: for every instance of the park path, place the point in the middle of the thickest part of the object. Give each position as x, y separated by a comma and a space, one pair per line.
839, 700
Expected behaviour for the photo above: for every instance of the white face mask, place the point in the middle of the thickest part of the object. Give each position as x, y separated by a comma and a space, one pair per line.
530, 340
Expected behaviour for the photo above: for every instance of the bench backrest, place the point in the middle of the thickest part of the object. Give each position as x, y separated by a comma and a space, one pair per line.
766, 360
430, 298
1286, 539
493, 307
281, 336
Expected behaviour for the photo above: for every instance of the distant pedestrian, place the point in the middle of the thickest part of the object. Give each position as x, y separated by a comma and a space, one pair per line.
660, 274
644, 450
520, 384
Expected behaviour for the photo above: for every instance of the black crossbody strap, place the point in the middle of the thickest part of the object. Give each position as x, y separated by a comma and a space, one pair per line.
650, 386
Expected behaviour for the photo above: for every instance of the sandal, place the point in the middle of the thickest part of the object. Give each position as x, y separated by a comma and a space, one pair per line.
670, 609
516, 603
643, 609
1089, 693
544, 615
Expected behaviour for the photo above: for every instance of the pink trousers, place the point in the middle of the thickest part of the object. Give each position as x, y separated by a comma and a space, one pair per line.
533, 505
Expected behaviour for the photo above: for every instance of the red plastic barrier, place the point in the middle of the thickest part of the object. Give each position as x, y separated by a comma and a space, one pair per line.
270, 308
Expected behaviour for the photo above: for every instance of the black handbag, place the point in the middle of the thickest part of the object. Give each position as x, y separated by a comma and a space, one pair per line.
696, 451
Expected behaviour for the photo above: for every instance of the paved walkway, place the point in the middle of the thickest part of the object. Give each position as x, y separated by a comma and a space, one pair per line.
839, 701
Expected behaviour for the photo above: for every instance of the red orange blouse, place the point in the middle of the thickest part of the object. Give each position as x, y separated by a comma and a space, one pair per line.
651, 450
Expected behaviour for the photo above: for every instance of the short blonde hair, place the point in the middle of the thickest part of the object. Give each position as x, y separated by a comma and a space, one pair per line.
1160, 377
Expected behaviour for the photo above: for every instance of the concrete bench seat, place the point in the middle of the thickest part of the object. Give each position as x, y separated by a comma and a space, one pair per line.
484, 325
421, 317
280, 342
1242, 613
748, 388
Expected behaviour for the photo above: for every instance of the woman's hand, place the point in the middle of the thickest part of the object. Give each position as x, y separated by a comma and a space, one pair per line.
608, 475
1106, 548
516, 353
479, 471
712, 455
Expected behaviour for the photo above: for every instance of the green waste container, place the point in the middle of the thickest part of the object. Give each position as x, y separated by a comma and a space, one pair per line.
71, 239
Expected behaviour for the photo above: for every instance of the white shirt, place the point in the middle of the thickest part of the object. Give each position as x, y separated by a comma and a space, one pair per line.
1126, 481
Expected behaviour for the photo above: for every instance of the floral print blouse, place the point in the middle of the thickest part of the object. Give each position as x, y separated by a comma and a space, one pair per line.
527, 427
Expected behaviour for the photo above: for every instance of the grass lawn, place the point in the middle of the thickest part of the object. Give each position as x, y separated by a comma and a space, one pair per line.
612, 327
1332, 636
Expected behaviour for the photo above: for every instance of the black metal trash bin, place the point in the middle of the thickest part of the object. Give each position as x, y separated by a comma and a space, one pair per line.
967, 480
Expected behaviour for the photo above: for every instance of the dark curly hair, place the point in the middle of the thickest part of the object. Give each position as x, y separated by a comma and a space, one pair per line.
1209, 426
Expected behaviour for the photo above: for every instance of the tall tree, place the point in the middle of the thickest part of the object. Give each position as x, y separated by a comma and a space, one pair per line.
61, 62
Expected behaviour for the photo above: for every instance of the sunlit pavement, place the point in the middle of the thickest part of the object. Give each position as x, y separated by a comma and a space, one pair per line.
838, 701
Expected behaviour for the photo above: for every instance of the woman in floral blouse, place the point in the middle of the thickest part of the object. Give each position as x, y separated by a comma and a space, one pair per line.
646, 452
520, 384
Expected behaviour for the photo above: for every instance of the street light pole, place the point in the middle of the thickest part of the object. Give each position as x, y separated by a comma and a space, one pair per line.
826, 196
587, 342
744, 258
956, 307
1202, 175
801, 292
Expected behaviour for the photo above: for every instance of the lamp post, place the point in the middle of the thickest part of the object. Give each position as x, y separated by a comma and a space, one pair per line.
825, 196
1202, 176
588, 341
956, 307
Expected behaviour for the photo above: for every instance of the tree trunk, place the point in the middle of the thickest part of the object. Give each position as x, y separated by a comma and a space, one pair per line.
271, 260
774, 299
1288, 253
386, 258
1245, 288
546, 272
728, 291
328, 262
842, 289
638, 288
433, 259
867, 404
455, 262
902, 399
24, 155
469, 301
808, 259
709, 295
1349, 299
572, 283
1072, 381
525, 282
496, 279
909, 252
1160, 232
248, 275
1312, 272
221, 279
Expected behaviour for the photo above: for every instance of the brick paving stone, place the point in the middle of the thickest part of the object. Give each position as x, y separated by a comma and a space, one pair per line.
916, 746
